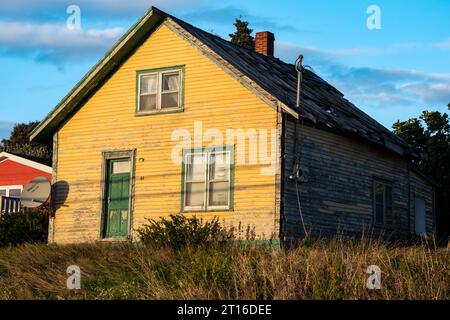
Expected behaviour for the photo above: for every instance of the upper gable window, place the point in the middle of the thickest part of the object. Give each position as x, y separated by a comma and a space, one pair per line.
159, 90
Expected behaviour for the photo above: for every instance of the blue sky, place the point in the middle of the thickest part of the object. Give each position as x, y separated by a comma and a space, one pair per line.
392, 73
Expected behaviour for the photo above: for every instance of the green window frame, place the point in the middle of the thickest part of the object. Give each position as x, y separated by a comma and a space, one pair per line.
383, 202
159, 91
205, 179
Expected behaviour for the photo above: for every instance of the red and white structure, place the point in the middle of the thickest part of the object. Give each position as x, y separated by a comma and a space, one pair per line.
16, 172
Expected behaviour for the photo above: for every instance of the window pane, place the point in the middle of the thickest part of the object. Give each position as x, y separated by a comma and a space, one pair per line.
169, 100
2, 192
196, 167
170, 82
218, 194
15, 193
149, 84
379, 199
389, 212
195, 194
147, 103
121, 167
219, 166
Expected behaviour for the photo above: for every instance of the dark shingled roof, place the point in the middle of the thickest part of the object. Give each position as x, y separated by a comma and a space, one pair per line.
321, 103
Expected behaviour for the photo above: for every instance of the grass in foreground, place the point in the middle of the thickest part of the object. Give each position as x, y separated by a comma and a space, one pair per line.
326, 269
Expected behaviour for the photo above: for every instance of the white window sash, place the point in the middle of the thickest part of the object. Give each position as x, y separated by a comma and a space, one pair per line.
228, 180
147, 94
177, 72
9, 188
186, 181
208, 181
159, 90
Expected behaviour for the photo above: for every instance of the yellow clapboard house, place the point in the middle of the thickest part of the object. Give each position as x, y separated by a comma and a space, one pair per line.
114, 163
176, 120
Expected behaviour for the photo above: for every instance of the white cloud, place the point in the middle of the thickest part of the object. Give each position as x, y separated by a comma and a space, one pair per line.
55, 42
227, 14
112, 33
432, 93
25, 34
372, 51
97, 7
444, 45
371, 86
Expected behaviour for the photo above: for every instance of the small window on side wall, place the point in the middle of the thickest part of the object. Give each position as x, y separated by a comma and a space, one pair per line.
15, 193
383, 207
159, 91
11, 191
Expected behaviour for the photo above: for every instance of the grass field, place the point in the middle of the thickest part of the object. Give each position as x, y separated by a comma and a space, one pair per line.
326, 269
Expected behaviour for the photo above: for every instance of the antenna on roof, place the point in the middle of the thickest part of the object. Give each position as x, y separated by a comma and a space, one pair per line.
297, 148
299, 68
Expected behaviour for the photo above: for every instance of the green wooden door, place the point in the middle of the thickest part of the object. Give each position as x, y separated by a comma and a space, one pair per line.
118, 198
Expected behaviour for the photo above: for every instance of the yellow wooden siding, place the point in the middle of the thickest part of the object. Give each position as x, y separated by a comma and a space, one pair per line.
108, 122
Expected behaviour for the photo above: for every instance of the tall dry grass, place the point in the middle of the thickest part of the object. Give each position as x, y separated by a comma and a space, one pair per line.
324, 269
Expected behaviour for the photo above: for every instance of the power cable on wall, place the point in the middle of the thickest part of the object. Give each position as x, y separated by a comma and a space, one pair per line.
298, 149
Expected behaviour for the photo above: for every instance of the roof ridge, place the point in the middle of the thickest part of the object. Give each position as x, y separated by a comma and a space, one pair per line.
250, 51
216, 36
365, 116
272, 76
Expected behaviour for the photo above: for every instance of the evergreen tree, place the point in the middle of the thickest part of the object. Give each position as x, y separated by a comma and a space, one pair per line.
19, 143
243, 35
429, 134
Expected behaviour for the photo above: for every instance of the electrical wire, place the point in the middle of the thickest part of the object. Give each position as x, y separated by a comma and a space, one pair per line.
300, 208
298, 141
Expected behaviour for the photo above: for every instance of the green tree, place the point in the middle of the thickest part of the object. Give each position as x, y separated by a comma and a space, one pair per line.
429, 134
243, 35
19, 142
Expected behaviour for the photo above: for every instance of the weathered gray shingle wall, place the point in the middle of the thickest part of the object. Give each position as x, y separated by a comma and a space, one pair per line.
339, 194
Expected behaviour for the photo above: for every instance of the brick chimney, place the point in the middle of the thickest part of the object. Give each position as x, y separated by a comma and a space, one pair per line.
264, 43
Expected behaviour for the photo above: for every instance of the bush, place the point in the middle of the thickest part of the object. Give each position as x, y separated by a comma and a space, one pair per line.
23, 227
179, 232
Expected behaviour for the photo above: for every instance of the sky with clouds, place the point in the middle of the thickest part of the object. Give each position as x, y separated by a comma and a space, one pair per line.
391, 73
